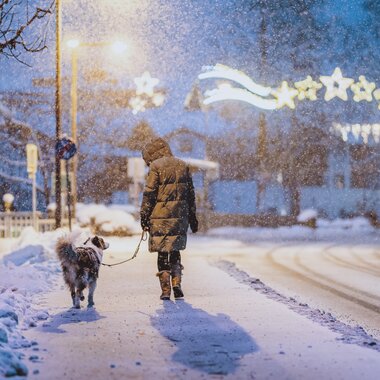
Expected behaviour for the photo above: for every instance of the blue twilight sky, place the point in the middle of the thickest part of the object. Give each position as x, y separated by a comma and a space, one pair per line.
173, 40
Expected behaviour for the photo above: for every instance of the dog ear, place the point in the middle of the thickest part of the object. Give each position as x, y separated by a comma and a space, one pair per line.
96, 241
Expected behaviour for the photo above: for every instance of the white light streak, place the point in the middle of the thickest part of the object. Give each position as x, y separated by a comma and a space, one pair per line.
230, 93
224, 72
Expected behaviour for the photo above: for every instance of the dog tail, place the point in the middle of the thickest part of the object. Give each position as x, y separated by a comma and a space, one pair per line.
65, 249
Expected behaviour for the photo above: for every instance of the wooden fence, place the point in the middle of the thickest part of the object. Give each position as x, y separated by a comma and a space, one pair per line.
13, 223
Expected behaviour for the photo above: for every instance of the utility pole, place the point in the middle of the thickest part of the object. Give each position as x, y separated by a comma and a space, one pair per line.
74, 108
58, 126
262, 140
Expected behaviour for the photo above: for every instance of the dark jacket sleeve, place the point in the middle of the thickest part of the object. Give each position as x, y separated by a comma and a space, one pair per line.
191, 201
149, 196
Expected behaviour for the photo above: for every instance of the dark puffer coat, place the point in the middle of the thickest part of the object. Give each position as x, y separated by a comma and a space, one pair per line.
168, 204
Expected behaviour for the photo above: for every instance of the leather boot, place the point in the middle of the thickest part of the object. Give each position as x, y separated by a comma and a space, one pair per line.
176, 280
164, 277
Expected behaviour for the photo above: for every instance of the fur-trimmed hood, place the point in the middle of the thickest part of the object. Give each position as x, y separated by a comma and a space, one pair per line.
156, 149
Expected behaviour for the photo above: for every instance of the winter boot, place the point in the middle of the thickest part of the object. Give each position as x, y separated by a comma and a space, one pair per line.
164, 277
176, 280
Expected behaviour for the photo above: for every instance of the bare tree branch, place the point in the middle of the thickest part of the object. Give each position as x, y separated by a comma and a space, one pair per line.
16, 22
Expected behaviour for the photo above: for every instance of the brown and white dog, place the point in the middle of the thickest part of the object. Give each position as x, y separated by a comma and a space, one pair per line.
80, 266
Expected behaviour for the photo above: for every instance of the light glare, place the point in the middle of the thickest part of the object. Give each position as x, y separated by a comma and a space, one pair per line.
73, 43
119, 47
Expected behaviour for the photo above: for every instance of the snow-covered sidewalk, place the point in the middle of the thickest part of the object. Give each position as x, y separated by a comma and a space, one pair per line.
224, 329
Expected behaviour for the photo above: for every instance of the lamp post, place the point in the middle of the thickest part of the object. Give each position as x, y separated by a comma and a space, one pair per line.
8, 202
74, 44
58, 127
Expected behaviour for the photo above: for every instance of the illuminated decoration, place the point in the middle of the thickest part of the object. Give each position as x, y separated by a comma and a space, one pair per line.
137, 104
376, 95
336, 85
158, 99
363, 89
307, 89
145, 84
224, 72
285, 95
145, 95
358, 132
270, 99
232, 93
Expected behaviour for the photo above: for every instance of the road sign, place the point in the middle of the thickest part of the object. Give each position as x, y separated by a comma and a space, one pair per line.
31, 159
65, 148
31, 167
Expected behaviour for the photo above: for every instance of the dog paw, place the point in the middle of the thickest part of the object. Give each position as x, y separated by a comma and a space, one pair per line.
90, 305
76, 306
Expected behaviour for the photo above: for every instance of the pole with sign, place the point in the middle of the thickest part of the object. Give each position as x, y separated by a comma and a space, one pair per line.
31, 167
64, 150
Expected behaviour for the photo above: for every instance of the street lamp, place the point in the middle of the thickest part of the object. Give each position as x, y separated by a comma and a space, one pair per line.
8, 202
58, 127
117, 47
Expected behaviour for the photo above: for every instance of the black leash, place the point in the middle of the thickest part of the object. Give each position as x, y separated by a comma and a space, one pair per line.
144, 236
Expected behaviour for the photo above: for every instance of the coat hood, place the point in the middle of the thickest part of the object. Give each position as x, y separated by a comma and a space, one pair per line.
156, 149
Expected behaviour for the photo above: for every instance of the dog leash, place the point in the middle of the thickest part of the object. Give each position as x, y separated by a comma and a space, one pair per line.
144, 236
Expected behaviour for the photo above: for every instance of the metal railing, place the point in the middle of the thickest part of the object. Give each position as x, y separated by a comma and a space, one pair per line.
13, 223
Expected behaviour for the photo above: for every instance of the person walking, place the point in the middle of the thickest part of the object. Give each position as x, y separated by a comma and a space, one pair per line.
167, 209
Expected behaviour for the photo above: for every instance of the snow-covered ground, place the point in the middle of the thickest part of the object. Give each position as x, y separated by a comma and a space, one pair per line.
276, 325
28, 267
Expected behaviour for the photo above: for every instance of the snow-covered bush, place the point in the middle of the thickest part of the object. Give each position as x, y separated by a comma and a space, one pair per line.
107, 221
307, 215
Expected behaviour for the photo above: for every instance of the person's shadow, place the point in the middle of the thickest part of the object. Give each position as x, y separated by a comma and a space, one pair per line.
69, 316
207, 343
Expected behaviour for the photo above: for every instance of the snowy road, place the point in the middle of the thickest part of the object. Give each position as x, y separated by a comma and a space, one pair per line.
343, 279
230, 325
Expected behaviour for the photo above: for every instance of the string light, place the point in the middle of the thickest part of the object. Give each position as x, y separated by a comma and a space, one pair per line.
336, 85
137, 104
363, 89
145, 84
285, 95
376, 95
307, 89
232, 93
224, 72
358, 132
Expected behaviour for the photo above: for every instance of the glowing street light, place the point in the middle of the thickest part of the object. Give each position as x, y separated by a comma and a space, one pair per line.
118, 47
73, 43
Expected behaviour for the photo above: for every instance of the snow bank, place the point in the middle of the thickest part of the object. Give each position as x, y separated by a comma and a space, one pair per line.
355, 228
27, 270
107, 221
307, 215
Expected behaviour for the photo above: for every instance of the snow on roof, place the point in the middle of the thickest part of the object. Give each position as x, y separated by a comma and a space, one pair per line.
201, 164
211, 167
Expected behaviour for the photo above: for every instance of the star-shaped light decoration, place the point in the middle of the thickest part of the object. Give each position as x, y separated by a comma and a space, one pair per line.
145, 84
285, 95
376, 95
336, 85
307, 89
158, 99
363, 89
137, 104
